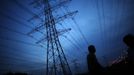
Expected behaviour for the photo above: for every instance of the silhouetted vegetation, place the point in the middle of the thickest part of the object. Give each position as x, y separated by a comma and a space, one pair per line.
17, 73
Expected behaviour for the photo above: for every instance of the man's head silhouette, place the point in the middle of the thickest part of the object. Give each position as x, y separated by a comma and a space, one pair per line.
91, 49
129, 40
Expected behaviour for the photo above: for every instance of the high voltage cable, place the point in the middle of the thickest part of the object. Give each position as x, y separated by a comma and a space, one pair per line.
77, 25
99, 17
12, 30
104, 25
18, 41
13, 19
22, 6
17, 21
76, 43
17, 59
77, 48
14, 50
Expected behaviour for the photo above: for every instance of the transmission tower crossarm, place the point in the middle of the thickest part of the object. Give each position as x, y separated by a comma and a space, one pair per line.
68, 15
38, 3
37, 16
60, 32
36, 29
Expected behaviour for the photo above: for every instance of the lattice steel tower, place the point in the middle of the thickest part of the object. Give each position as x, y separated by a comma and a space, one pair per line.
56, 59
56, 63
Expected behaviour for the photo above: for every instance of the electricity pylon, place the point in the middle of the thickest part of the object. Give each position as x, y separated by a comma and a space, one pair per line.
56, 63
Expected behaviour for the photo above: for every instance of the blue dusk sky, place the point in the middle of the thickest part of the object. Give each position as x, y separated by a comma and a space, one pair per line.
102, 23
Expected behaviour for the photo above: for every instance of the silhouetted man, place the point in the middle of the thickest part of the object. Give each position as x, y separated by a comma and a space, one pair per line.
129, 41
93, 65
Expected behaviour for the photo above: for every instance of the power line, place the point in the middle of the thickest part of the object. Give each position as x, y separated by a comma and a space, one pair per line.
26, 64
77, 25
77, 48
121, 6
13, 19
25, 8
72, 42
111, 22
18, 58
104, 25
71, 35
3, 27
103, 14
99, 18
14, 50
12, 30
18, 41
74, 39
22, 6
22, 18
17, 21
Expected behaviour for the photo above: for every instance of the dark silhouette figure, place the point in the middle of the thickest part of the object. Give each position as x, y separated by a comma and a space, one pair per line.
129, 41
93, 65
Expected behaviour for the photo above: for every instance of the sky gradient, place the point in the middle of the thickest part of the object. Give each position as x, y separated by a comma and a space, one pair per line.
102, 23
